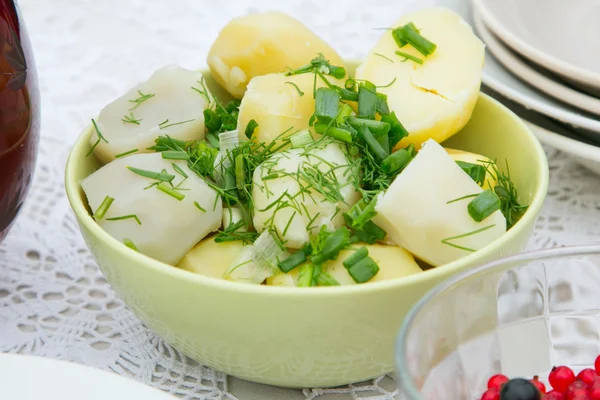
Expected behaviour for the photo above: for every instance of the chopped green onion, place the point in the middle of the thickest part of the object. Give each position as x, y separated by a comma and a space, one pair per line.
199, 207
327, 104
337, 72
306, 275
344, 112
411, 150
171, 192
130, 216
301, 139
250, 128
409, 34
333, 244
484, 205
175, 155
477, 172
382, 105
178, 169
409, 57
350, 84
396, 161
103, 208
384, 141
213, 140
370, 233
228, 141
364, 270
360, 216
212, 121
325, 279
347, 95
367, 100
129, 243
356, 257
126, 153
376, 127
161, 176
300, 92
370, 140
294, 260
397, 130
240, 172
337, 133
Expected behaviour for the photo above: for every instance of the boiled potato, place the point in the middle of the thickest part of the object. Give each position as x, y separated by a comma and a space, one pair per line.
295, 213
277, 106
165, 104
473, 158
394, 262
260, 44
164, 227
210, 258
415, 213
436, 99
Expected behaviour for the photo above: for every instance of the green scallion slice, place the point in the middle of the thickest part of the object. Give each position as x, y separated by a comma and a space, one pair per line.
175, 155
367, 100
356, 257
301, 139
409, 57
409, 34
103, 208
306, 275
293, 261
378, 128
130, 244
250, 128
484, 205
396, 161
475, 171
364, 270
327, 104
325, 279
367, 136
333, 244
170, 191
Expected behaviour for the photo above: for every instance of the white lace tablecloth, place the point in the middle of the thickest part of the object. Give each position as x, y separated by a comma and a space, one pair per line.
53, 300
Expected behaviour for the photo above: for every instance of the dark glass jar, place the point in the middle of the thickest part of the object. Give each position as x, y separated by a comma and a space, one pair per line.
19, 113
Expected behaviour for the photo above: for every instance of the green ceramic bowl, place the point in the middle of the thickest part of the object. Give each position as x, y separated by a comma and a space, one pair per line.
301, 337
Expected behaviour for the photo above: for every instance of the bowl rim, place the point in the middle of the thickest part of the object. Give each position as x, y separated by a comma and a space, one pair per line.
84, 218
404, 380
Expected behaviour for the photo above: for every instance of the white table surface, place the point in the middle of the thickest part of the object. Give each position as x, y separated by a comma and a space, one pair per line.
53, 300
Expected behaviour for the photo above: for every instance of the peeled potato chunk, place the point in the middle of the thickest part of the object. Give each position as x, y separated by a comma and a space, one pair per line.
260, 44
163, 105
286, 198
436, 99
277, 106
473, 158
158, 224
415, 213
394, 262
210, 258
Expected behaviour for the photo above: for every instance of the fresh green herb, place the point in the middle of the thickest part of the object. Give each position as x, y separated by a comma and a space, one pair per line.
143, 97
294, 260
250, 128
165, 124
170, 191
126, 153
382, 56
160, 176
130, 244
212, 121
319, 64
130, 216
300, 92
507, 192
103, 208
477, 172
464, 235
373, 144
178, 169
397, 131
306, 275
236, 232
396, 161
484, 205
409, 57
100, 138
332, 245
378, 128
409, 34
175, 155
356, 257
203, 91
367, 100
338, 133
386, 86
364, 270
301, 139
327, 104
130, 119
469, 196
199, 207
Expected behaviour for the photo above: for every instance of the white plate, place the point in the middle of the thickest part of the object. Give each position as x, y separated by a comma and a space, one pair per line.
34, 378
559, 35
529, 75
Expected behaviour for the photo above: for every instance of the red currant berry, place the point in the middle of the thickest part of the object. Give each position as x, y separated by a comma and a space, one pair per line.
597, 364
594, 392
497, 381
560, 378
577, 390
587, 376
554, 395
491, 394
539, 385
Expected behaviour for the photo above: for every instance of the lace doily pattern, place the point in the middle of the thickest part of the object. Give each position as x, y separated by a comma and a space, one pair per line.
53, 300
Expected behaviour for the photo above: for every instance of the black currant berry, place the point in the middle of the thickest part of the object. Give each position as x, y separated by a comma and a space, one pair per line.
519, 389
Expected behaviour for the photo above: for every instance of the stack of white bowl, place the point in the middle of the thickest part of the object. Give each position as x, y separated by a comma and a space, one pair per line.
542, 61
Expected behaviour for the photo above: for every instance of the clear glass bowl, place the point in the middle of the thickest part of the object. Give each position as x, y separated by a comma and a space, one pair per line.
518, 316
